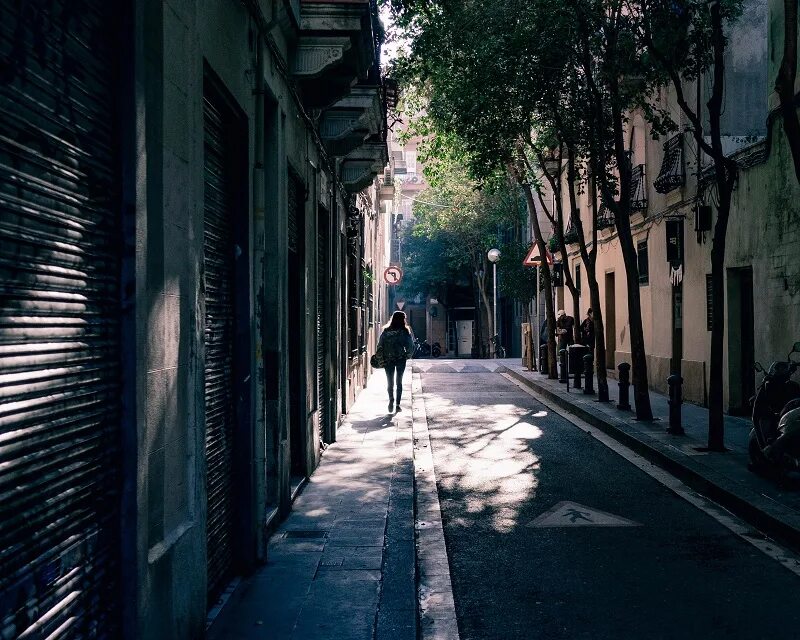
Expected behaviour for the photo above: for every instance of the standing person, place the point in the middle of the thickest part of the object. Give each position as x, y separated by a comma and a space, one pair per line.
564, 329
397, 346
587, 330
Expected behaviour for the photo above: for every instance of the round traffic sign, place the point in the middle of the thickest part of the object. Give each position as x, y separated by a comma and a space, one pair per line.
393, 275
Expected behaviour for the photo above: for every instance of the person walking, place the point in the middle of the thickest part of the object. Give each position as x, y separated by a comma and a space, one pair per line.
396, 346
587, 330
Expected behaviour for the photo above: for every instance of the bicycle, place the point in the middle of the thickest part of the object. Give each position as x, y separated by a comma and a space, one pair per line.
499, 349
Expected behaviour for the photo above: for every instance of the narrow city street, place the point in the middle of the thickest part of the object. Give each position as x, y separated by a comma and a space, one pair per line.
551, 533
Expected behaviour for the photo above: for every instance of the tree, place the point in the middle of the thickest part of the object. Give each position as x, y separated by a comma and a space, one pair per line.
687, 40
477, 88
426, 267
518, 282
785, 82
464, 222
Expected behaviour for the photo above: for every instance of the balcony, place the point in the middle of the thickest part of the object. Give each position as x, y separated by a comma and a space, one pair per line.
338, 46
348, 123
672, 174
361, 165
571, 234
638, 188
605, 218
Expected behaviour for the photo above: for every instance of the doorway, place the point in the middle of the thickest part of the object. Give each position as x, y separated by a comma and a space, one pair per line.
296, 319
741, 336
464, 330
611, 321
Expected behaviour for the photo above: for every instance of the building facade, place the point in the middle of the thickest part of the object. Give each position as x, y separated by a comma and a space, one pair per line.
673, 199
189, 228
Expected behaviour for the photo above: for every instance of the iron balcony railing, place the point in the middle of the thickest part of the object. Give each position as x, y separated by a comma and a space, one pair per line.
638, 188
672, 174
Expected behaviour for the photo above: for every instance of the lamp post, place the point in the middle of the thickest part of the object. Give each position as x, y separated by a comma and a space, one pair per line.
494, 256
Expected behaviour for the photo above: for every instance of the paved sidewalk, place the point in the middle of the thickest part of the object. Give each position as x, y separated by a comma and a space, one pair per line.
723, 477
342, 565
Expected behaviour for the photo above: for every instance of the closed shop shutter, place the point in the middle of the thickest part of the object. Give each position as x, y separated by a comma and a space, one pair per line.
219, 334
294, 214
322, 325
59, 321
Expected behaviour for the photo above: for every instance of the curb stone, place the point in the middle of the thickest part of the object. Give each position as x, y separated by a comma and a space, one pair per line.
437, 612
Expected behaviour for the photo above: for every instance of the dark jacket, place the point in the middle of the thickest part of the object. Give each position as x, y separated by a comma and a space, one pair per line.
587, 332
566, 323
396, 345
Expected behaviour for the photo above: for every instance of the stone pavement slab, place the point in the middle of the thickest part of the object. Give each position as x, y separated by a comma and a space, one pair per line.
342, 564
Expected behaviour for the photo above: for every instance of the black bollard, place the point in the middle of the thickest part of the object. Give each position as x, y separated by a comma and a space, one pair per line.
624, 386
543, 363
576, 367
588, 366
563, 375
675, 383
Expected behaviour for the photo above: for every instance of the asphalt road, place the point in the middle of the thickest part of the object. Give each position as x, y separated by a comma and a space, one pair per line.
522, 491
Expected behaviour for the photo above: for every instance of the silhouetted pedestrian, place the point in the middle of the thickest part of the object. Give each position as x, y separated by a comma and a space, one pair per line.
395, 346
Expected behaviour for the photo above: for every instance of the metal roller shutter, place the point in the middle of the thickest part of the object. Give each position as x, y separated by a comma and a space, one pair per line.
219, 333
59, 321
322, 328
294, 215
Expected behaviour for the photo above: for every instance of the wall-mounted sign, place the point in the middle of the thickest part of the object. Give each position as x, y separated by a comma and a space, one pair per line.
393, 275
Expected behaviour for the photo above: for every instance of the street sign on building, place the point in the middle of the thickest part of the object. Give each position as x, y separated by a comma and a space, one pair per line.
393, 275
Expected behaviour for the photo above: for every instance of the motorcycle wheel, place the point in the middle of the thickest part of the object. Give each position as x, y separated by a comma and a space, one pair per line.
758, 462
436, 352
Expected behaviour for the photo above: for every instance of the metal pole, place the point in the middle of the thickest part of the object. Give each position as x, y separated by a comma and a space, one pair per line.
538, 323
494, 319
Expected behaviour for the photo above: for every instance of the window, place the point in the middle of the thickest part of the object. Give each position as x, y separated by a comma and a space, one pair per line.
644, 267
709, 303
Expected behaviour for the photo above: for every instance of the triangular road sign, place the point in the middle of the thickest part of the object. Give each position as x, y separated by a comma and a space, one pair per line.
572, 514
534, 258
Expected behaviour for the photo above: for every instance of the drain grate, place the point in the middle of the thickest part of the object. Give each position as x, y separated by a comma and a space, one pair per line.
306, 533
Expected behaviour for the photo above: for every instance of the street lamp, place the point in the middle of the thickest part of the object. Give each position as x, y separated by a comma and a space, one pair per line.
494, 256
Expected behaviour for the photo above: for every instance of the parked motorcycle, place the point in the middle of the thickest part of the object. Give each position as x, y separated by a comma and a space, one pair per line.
422, 348
774, 443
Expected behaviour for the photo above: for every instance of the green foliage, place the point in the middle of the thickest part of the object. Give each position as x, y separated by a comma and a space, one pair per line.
465, 218
516, 281
426, 270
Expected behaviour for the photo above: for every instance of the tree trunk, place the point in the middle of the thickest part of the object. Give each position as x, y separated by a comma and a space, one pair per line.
784, 84
589, 259
716, 415
641, 390
552, 366
484, 302
621, 209
725, 173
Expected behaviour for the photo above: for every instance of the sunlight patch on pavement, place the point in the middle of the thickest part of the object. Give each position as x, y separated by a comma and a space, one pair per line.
523, 431
498, 475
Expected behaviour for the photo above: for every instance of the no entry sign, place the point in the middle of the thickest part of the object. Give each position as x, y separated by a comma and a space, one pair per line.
393, 275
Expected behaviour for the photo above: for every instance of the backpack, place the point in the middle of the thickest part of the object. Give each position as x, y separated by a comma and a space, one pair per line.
394, 347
